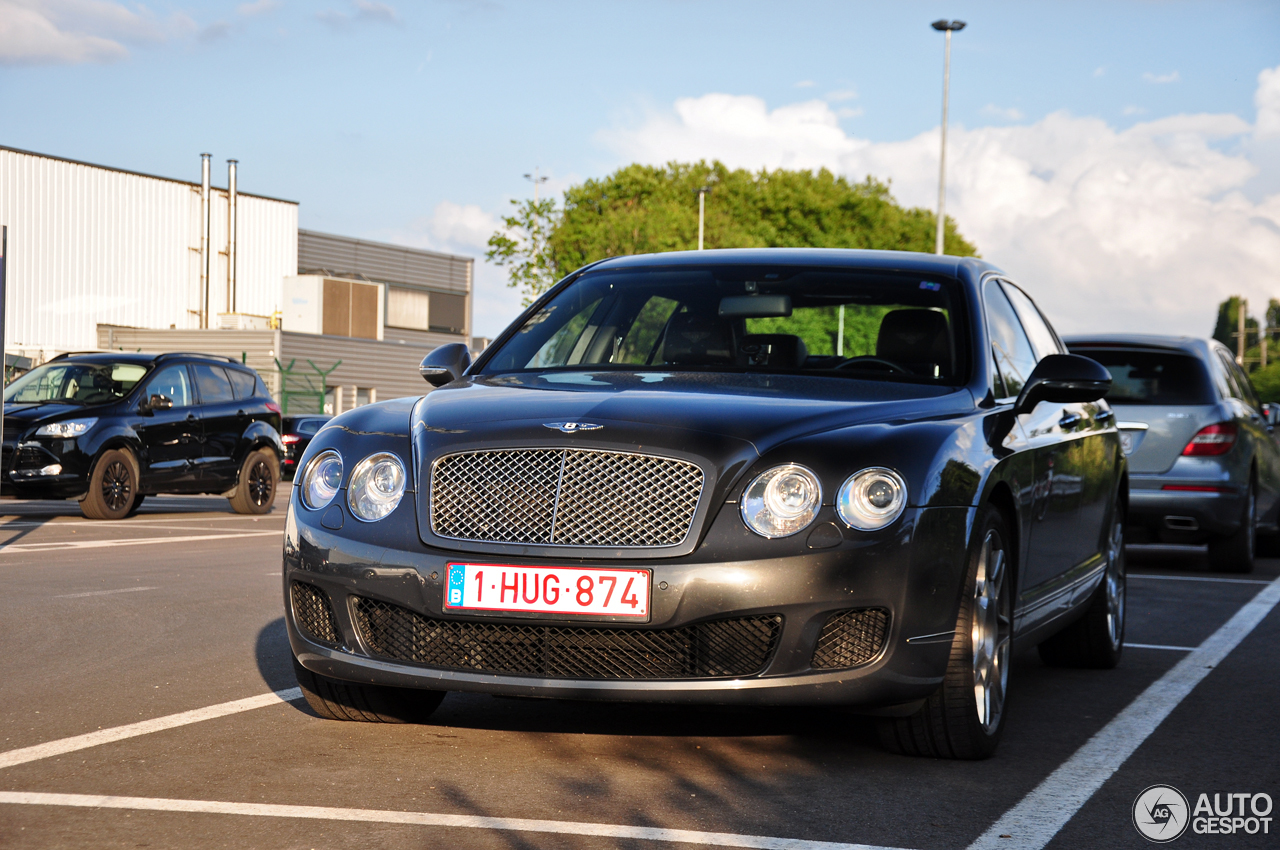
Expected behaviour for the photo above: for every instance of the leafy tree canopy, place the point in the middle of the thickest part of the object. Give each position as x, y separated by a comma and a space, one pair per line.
645, 209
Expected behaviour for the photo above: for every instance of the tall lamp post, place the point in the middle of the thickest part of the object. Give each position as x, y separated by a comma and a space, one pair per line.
702, 209
948, 27
536, 181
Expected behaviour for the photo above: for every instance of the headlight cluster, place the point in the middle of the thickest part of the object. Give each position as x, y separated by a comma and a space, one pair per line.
67, 428
375, 489
784, 500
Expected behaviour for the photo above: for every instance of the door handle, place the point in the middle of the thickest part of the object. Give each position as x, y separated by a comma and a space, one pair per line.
191, 417
1069, 421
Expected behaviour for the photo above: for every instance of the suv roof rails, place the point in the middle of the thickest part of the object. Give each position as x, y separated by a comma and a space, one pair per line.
198, 354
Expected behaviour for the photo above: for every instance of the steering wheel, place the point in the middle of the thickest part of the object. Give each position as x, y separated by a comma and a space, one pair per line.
867, 360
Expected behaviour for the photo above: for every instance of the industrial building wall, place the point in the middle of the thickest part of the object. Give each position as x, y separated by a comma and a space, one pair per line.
90, 245
388, 368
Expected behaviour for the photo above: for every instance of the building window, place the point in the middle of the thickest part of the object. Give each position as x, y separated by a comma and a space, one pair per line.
408, 308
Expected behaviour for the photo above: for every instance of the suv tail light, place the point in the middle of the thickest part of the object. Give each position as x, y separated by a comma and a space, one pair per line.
273, 407
289, 439
1212, 440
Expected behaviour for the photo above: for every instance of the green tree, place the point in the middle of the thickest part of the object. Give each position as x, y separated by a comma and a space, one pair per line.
1228, 324
646, 209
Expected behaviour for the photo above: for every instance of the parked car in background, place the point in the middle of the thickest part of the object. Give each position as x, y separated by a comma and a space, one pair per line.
112, 428
1203, 463
757, 477
296, 433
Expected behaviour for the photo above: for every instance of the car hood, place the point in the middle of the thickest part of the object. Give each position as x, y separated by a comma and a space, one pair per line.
19, 417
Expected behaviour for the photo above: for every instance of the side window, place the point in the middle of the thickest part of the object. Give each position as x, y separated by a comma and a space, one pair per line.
1247, 393
213, 384
1043, 339
642, 337
173, 383
1227, 377
1012, 350
309, 426
242, 383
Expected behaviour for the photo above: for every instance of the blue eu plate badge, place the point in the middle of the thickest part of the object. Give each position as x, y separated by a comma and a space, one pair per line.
457, 583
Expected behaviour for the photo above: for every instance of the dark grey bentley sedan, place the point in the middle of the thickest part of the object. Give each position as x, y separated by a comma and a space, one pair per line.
773, 476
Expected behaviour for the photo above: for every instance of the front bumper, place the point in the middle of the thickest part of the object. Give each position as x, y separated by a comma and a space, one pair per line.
913, 570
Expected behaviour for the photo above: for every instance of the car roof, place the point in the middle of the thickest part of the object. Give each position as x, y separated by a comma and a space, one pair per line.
144, 359
1199, 346
909, 261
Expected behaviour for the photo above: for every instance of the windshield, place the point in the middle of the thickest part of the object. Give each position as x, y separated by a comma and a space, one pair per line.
813, 321
1152, 377
70, 382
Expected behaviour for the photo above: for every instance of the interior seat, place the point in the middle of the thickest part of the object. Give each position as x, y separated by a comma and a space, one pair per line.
780, 351
918, 340
698, 338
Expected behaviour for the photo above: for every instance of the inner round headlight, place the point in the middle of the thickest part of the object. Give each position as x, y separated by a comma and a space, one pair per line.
872, 498
781, 501
377, 483
322, 480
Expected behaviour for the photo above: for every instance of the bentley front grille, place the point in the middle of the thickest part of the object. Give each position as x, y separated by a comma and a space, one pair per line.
717, 649
314, 613
564, 497
851, 638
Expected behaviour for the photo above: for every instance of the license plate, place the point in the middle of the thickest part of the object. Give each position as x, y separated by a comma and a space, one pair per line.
548, 590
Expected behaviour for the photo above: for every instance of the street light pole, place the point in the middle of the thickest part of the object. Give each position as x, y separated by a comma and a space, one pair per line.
536, 181
702, 209
948, 27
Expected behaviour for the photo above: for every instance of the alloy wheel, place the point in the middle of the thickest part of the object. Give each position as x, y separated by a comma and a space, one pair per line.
117, 486
990, 632
1116, 582
260, 483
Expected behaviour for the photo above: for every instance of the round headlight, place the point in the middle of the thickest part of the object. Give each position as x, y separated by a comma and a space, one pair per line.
781, 501
872, 498
322, 480
377, 483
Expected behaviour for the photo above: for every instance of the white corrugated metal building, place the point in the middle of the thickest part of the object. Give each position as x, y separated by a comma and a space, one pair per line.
90, 244
103, 258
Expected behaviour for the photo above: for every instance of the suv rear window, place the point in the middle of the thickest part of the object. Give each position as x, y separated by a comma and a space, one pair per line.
1153, 377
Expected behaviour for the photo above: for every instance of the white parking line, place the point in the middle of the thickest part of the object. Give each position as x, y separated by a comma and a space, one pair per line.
1201, 578
1128, 645
131, 541
101, 592
1040, 815
603, 830
145, 727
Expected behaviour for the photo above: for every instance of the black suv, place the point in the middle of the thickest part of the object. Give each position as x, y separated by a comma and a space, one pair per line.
112, 428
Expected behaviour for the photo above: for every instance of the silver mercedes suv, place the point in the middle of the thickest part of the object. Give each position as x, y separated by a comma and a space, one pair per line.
1203, 464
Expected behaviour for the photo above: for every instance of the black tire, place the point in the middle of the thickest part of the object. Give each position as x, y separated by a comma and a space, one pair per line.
137, 503
337, 700
256, 487
113, 486
954, 722
1096, 640
1233, 553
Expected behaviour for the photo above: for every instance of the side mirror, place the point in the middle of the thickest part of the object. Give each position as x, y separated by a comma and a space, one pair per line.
447, 363
157, 402
1063, 379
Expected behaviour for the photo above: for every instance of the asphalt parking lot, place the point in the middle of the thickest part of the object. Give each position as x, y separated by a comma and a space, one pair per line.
146, 699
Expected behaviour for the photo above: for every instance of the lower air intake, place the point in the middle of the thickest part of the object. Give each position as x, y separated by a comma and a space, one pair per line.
314, 613
851, 638
723, 648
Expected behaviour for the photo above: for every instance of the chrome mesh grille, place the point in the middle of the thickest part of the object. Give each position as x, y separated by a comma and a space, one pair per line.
565, 497
851, 638
735, 647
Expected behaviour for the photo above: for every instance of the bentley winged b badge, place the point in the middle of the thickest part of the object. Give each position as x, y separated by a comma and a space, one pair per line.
572, 427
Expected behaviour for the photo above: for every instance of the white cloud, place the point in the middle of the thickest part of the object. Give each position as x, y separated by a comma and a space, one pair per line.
841, 95
1171, 77
365, 11
1099, 71
1011, 113
805, 84
1134, 110
258, 7
1142, 229
66, 32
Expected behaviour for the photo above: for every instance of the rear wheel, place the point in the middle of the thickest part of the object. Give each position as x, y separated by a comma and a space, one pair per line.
1097, 639
1233, 553
257, 487
963, 719
333, 699
113, 486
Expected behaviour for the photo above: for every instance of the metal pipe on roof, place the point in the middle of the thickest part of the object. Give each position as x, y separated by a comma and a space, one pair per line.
231, 235
205, 221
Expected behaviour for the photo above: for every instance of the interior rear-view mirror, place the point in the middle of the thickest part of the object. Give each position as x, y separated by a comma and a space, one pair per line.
755, 306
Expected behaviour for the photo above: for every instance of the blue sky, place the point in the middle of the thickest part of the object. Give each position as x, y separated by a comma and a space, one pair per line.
374, 115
